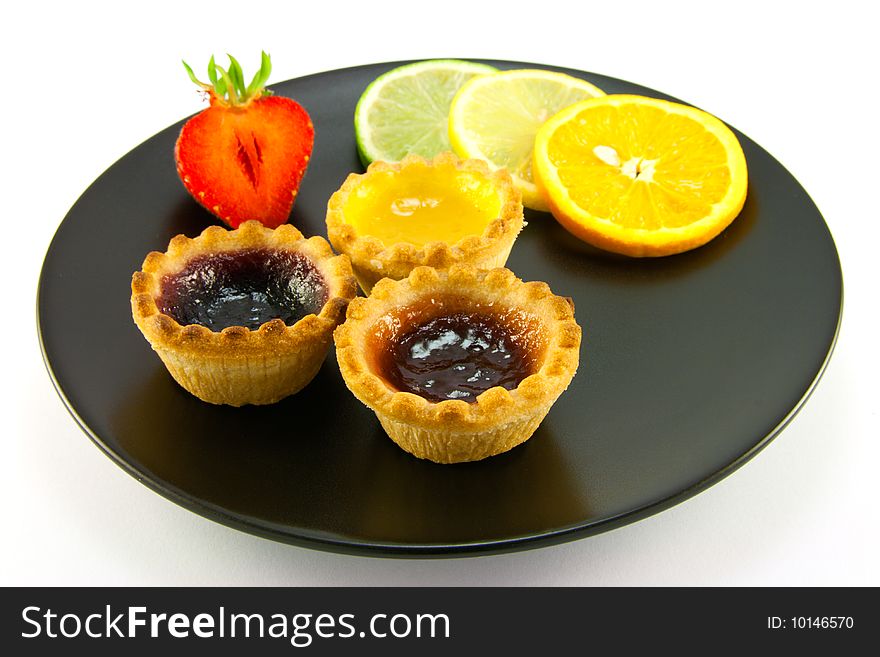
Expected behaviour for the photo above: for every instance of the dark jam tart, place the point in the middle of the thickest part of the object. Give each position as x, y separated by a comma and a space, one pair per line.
458, 355
243, 288
243, 316
461, 364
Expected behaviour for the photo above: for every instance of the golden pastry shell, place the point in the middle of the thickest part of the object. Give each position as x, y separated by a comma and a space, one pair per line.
373, 260
494, 407
164, 332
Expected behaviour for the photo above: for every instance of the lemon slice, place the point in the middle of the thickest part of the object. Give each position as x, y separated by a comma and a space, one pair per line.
495, 118
640, 176
406, 110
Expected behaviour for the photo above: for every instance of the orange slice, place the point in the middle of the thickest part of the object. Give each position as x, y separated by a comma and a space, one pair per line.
640, 176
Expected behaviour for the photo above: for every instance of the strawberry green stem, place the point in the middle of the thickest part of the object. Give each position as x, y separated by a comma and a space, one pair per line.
227, 85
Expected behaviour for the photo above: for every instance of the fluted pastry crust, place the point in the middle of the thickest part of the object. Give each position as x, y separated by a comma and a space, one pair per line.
238, 366
373, 260
453, 430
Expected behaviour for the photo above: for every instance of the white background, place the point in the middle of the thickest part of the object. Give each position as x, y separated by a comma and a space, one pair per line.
84, 83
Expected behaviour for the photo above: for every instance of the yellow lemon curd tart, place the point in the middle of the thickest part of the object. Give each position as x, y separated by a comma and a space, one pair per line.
459, 364
243, 316
437, 212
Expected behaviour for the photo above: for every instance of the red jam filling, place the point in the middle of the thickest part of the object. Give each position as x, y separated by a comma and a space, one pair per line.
243, 288
457, 355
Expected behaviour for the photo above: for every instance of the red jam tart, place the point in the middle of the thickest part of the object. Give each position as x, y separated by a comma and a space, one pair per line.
242, 316
462, 364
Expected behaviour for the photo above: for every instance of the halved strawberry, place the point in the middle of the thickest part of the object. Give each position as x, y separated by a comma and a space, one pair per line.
244, 157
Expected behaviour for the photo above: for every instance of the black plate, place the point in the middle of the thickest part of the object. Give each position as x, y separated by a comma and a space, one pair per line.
690, 365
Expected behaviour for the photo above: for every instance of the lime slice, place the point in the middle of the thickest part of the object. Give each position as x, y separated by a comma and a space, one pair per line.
496, 118
406, 110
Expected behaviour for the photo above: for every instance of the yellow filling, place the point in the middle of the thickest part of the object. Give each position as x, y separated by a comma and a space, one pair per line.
422, 204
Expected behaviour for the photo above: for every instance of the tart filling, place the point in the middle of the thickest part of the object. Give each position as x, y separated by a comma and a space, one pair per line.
243, 316
243, 288
420, 204
417, 212
458, 354
459, 364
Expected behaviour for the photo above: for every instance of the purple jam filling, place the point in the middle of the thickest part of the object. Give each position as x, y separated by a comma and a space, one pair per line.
243, 288
457, 356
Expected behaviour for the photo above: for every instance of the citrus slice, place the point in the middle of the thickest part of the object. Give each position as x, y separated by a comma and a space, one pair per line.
640, 176
406, 110
495, 118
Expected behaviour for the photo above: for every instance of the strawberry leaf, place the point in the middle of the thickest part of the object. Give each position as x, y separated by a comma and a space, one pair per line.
192, 76
237, 76
218, 82
229, 85
261, 76
212, 71
220, 88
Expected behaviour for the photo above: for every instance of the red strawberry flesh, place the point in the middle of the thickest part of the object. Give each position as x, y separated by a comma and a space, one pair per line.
246, 162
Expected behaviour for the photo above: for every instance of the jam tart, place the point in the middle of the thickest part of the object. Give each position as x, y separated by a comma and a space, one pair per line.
459, 364
243, 316
437, 213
